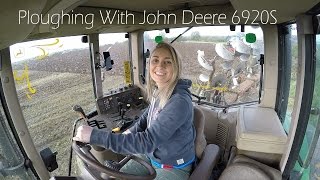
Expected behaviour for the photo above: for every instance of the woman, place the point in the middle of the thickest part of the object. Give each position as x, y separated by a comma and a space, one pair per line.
165, 131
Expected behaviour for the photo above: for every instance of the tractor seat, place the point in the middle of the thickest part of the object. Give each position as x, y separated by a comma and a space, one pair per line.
244, 168
208, 155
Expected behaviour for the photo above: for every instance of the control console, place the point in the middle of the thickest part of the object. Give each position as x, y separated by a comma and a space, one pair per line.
119, 99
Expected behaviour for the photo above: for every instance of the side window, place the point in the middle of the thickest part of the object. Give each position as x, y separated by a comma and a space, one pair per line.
307, 163
291, 54
11, 159
51, 76
312, 134
118, 47
223, 66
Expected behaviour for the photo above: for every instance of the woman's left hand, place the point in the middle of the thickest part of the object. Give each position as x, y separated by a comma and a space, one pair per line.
83, 134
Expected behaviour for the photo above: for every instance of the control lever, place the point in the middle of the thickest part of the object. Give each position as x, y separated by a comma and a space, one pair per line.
78, 109
141, 102
123, 124
122, 113
119, 105
120, 108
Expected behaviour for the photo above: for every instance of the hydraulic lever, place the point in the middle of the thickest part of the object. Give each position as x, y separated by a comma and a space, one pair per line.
122, 112
124, 121
78, 109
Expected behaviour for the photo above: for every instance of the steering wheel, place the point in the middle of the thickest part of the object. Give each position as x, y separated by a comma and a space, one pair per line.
83, 151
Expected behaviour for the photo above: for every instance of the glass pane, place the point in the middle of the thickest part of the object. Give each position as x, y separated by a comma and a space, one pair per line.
222, 65
11, 159
311, 138
292, 55
118, 47
51, 76
315, 118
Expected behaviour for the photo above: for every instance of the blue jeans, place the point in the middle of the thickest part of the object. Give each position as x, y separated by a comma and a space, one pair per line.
133, 167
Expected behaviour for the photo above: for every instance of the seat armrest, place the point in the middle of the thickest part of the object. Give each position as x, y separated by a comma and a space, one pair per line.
209, 159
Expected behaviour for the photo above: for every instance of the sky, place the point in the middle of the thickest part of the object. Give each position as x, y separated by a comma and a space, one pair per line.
32, 49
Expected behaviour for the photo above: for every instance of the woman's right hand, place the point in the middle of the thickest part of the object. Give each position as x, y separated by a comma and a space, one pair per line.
83, 134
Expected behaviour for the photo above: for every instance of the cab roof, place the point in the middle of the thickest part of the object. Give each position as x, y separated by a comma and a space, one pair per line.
16, 29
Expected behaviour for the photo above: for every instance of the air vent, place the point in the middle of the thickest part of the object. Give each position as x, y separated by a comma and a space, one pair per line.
222, 133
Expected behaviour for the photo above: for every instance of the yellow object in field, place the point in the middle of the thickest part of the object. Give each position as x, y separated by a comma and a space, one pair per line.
127, 72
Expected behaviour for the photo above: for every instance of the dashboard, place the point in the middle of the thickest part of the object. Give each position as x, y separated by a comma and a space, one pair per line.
118, 107
116, 99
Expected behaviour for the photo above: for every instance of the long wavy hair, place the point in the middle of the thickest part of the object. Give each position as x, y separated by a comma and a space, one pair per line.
164, 94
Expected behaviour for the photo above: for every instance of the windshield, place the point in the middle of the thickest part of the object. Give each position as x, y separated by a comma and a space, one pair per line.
222, 64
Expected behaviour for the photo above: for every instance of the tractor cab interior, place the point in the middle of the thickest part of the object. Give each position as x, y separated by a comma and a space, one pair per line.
94, 56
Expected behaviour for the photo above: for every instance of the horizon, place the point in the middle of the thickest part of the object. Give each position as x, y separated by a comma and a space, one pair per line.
45, 47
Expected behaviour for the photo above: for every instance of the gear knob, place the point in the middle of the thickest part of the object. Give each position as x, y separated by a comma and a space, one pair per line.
78, 108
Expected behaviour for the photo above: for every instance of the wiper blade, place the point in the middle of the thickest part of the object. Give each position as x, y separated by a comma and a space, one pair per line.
226, 106
181, 34
198, 97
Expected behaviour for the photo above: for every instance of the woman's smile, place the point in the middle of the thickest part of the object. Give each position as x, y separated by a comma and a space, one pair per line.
161, 70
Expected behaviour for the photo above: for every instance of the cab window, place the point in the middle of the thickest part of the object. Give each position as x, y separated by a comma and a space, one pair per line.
51, 76
222, 64
113, 77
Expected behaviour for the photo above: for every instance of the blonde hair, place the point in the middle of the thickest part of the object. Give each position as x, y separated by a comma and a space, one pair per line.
165, 93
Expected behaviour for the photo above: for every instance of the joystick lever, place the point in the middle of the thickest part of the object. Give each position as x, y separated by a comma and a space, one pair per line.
124, 110
119, 105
